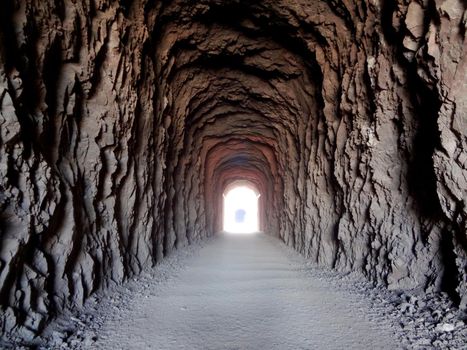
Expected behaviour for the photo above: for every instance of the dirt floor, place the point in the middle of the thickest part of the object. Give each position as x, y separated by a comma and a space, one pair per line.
252, 292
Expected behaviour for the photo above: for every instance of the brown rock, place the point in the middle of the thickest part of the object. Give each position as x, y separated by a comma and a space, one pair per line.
122, 123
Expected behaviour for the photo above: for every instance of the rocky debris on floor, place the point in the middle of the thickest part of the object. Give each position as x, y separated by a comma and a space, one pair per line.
421, 321
80, 330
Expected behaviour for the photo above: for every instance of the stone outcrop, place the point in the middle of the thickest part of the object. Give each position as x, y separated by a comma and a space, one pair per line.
122, 122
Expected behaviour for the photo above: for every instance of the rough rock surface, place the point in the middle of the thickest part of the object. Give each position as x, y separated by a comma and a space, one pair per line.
122, 122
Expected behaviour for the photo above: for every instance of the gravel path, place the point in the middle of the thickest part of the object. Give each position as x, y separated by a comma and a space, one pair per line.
247, 292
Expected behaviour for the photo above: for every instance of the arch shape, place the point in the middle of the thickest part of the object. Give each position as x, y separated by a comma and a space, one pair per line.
240, 209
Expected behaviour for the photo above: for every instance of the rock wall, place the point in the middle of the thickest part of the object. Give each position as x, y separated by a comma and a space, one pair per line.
122, 122
82, 155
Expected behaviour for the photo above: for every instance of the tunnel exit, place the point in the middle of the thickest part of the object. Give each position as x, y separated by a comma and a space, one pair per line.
241, 210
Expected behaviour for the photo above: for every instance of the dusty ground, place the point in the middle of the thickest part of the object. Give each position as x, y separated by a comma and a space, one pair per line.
252, 292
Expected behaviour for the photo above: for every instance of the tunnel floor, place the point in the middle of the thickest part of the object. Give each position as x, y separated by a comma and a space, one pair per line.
240, 292
244, 292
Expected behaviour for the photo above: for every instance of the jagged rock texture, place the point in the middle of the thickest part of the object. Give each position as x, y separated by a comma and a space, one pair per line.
122, 122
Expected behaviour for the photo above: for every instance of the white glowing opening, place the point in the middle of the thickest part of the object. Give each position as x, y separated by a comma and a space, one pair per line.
241, 210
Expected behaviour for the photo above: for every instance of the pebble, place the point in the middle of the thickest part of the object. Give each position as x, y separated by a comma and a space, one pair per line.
436, 314
407, 308
445, 327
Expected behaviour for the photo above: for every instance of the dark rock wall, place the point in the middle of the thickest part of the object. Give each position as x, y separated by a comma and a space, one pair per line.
122, 122
82, 154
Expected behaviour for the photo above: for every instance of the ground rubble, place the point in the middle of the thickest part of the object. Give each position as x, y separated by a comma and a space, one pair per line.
421, 321
79, 328
418, 320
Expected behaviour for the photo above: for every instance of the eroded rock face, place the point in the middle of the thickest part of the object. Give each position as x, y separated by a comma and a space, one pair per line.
122, 122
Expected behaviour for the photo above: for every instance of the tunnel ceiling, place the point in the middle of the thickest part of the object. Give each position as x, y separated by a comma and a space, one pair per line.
122, 122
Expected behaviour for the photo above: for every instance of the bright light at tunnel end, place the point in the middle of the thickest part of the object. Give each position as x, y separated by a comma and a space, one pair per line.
241, 210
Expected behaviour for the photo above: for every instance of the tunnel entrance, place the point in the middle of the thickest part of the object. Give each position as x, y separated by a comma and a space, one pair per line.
241, 209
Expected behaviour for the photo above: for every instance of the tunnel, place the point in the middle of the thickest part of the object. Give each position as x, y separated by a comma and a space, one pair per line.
125, 123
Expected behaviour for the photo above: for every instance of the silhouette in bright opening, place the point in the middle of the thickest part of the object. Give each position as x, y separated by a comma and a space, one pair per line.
240, 216
241, 210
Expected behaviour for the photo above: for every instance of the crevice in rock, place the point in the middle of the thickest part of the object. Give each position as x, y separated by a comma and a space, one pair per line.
421, 175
